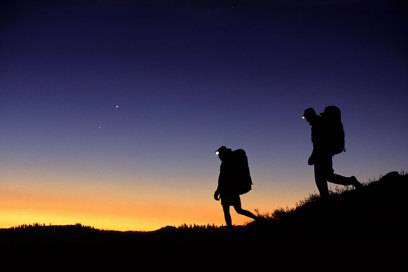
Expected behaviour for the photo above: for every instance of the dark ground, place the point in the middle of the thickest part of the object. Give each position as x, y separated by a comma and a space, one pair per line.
354, 229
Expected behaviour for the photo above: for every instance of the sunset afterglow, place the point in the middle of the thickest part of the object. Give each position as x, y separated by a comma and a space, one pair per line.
111, 113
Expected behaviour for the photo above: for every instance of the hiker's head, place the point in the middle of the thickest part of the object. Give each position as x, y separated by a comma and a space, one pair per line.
223, 152
309, 115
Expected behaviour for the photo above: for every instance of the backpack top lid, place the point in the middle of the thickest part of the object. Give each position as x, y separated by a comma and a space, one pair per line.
333, 113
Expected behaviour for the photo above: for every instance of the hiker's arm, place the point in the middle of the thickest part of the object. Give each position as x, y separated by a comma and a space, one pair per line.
220, 180
317, 151
217, 195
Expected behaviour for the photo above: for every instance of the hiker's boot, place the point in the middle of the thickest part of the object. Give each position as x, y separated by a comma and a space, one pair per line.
355, 182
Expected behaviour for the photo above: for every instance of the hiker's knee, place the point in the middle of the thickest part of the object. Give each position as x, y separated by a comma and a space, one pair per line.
238, 209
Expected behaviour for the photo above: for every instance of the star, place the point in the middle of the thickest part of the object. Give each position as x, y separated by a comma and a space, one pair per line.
117, 106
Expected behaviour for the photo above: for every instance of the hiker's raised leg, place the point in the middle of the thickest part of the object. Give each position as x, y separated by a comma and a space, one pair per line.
342, 180
339, 179
239, 210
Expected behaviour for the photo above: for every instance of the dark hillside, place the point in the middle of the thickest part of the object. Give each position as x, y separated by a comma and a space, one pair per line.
367, 226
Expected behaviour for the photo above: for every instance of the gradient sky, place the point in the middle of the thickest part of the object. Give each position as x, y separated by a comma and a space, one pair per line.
111, 111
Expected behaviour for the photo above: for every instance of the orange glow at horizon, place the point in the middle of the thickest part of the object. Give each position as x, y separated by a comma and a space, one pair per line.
117, 208
99, 212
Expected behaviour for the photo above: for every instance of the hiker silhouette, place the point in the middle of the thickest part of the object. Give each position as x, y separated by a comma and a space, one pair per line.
323, 133
228, 183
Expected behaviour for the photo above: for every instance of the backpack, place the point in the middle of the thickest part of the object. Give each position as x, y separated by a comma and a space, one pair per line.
242, 176
334, 129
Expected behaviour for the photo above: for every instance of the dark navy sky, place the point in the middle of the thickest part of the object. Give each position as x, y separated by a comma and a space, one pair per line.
125, 93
